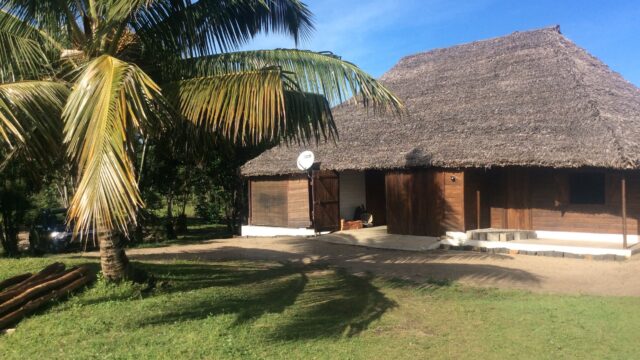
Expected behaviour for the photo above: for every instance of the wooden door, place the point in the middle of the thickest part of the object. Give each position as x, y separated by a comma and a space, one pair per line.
325, 186
518, 197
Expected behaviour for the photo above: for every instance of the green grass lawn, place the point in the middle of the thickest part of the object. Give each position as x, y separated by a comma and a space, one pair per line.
270, 310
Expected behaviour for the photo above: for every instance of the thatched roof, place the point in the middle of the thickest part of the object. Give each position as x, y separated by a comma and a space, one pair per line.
527, 99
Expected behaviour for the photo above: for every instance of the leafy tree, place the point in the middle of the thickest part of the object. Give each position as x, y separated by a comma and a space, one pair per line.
219, 188
168, 174
118, 71
21, 193
14, 205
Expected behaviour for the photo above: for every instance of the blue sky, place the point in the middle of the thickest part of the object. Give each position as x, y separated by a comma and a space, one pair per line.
375, 34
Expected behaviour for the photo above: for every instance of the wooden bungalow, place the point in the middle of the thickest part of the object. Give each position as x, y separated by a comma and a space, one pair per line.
526, 131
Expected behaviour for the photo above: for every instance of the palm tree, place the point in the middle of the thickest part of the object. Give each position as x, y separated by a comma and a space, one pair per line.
103, 74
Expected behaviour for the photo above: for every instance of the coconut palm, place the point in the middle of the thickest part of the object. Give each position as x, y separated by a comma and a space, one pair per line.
102, 74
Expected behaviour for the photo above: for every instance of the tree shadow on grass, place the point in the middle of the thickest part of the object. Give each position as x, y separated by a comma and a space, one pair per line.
311, 300
194, 235
209, 232
179, 277
334, 304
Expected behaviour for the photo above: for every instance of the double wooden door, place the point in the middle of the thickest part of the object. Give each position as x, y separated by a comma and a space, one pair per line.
518, 200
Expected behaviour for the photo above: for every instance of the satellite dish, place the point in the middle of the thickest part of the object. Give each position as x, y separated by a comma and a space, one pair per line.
305, 160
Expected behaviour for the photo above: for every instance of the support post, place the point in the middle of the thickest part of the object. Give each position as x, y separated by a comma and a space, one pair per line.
250, 207
623, 186
478, 209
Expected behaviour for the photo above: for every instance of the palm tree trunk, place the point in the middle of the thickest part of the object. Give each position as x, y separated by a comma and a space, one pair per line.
113, 260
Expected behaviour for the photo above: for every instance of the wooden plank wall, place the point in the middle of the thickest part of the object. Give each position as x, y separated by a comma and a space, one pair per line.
518, 199
428, 202
424, 202
399, 202
298, 203
474, 182
280, 201
495, 183
551, 210
454, 206
547, 206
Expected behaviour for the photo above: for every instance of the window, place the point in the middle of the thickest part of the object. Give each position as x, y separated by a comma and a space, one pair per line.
586, 188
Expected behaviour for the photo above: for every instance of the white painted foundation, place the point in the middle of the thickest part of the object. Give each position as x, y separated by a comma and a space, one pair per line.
579, 236
270, 231
565, 242
514, 245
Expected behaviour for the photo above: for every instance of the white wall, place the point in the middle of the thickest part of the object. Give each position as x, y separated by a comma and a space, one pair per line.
269, 231
352, 193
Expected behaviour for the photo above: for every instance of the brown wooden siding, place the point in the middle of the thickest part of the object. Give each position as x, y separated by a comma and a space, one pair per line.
454, 214
428, 202
279, 201
298, 203
551, 210
538, 199
518, 200
475, 189
424, 202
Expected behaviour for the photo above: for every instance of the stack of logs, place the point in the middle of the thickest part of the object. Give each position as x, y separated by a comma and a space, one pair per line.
26, 293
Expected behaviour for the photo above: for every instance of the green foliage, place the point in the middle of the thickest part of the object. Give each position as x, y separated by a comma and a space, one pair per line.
212, 204
18, 188
218, 187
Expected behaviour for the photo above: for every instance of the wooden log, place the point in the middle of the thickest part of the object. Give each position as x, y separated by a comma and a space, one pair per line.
15, 291
54, 268
14, 280
34, 304
43, 288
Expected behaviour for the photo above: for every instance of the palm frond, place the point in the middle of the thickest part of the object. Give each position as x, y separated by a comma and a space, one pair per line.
20, 58
30, 116
22, 50
110, 102
318, 73
233, 104
191, 28
251, 106
50, 18
308, 116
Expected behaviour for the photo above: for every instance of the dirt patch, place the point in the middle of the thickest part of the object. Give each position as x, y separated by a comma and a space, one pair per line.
535, 273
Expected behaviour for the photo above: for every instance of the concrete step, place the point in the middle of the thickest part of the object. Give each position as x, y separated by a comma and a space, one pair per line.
500, 234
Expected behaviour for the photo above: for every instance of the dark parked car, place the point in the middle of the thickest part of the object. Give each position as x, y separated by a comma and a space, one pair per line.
51, 234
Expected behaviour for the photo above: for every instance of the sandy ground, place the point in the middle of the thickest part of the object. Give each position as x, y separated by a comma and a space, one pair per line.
535, 273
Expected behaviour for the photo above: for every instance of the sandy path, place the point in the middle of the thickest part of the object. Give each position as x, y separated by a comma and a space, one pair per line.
535, 273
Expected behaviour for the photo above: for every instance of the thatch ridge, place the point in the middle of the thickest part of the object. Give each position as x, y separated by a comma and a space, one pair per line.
531, 98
